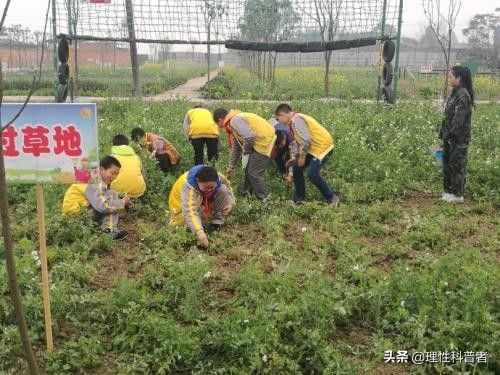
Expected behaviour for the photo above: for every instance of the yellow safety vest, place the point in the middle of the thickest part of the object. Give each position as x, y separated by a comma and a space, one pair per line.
175, 201
130, 180
265, 135
74, 199
321, 139
201, 124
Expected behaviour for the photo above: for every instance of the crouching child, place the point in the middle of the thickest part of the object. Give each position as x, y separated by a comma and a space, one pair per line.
162, 150
100, 199
201, 199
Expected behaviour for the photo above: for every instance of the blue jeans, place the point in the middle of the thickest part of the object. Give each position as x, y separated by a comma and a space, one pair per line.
313, 167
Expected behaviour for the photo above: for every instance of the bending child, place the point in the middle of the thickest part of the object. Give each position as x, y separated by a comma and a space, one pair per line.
200, 196
201, 131
130, 180
165, 153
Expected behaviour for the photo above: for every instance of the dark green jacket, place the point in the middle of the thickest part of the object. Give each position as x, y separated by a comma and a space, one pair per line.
456, 126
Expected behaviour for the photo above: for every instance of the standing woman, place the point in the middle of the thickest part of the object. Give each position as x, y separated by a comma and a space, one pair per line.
456, 133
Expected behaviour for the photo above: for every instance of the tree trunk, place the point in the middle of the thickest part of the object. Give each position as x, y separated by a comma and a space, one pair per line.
273, 76
76, 68
10, 264
328, 56
270, 67
259, 66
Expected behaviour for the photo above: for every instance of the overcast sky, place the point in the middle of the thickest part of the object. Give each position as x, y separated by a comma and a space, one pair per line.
31, 13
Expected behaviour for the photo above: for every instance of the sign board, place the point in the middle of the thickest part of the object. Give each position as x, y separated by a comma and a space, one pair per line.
51, 143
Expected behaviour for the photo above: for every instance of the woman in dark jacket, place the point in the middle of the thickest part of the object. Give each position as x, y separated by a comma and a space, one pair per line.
456, 133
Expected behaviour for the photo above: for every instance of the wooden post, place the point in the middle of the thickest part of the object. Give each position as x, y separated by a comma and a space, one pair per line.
133, 47
40, 209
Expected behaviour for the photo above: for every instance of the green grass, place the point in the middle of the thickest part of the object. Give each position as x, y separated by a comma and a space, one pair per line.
293, 83
154, 78
282, 289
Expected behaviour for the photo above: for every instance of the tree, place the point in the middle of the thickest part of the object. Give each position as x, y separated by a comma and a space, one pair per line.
443, 26
73, 11
212, 11
268, 22
326, 15
429, 40
480, 36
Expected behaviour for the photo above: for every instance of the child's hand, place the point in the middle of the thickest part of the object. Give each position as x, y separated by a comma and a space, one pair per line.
202, 238
301, 161
127, 202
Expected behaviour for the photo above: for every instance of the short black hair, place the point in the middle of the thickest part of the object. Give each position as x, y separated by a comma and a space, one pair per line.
198, 106
207, 174
220, 113
137, 134
283, 108
120, 140
108, 161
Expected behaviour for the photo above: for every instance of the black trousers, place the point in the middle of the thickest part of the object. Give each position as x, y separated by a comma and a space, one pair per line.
454, 167
199, 147
281, 158
164, 163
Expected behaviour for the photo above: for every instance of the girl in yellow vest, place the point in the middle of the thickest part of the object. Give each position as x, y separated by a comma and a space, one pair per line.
130, 180
201, 130
254, 137
311, 146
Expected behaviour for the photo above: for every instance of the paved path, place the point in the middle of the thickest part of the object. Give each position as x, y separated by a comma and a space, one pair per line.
189, 90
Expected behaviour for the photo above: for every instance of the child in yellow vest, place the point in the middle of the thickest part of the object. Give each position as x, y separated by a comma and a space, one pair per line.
201, 130
165, 153
130, 180
310, 148
254, 137
198, 196
104, 202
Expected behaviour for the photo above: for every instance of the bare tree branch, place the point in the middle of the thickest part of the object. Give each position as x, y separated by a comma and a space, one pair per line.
433, 14
36, 80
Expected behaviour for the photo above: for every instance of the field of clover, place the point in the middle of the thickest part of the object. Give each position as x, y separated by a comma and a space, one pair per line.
282, 289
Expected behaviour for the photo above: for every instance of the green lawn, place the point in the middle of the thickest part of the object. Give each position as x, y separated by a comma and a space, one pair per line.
282, 289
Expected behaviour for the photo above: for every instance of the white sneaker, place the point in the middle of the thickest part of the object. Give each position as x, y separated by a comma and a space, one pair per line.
455, 199
446, 196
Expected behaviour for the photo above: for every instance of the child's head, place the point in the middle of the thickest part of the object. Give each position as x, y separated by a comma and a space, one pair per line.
84, 162
284, 113
109, 169
220, 116
137, 135
207, 178
120, 140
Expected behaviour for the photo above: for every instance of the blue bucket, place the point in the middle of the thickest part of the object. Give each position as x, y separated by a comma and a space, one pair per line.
438, 154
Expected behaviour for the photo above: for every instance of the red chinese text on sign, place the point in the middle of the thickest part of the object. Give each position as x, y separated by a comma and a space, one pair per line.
9, 142
67, 140
35, 140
